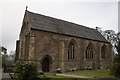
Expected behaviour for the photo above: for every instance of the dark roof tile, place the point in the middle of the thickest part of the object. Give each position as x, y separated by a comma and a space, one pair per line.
47, 23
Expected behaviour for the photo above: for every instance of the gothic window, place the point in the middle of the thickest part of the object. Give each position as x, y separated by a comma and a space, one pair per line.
71, 50
89, 51
103, 52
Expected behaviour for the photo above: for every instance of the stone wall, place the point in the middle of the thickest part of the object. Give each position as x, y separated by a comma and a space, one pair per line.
17, 50
24, 39
56, 46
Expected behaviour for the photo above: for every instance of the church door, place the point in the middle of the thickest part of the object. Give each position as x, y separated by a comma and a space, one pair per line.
45, 64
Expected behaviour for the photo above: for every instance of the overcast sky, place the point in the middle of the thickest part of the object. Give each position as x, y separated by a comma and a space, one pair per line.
94, 13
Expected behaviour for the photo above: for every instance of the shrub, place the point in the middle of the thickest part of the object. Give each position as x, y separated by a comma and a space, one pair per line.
93, 66
115, 70
25, 71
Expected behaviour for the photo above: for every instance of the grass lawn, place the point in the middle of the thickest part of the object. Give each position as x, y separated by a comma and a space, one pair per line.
99, 73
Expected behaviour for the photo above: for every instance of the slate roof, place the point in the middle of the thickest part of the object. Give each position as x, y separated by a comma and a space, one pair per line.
46, 23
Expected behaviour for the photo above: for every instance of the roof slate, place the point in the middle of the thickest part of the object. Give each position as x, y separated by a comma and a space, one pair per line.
46, 23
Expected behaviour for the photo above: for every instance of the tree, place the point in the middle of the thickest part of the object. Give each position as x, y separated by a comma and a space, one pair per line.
118, 50
4, 56
110, 36
10, 60
4, 50
115, 70
12, 55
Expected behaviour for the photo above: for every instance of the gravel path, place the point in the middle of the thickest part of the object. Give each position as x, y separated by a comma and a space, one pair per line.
6, 75
0, 76
75, 76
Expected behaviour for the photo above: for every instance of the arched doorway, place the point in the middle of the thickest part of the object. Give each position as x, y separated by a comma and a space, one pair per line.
46, 62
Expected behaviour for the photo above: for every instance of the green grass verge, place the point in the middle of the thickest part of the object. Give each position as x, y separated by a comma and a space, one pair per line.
103, 74
99, 73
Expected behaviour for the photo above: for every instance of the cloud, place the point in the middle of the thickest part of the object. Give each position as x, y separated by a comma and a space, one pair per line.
91, 14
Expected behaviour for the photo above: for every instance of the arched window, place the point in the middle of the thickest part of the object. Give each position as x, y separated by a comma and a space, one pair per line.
89, 51
71, 50
103, 52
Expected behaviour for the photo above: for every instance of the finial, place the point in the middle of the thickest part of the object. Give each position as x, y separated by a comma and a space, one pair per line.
26, 8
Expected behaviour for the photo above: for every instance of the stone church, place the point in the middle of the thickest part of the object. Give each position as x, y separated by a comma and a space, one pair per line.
54, 43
